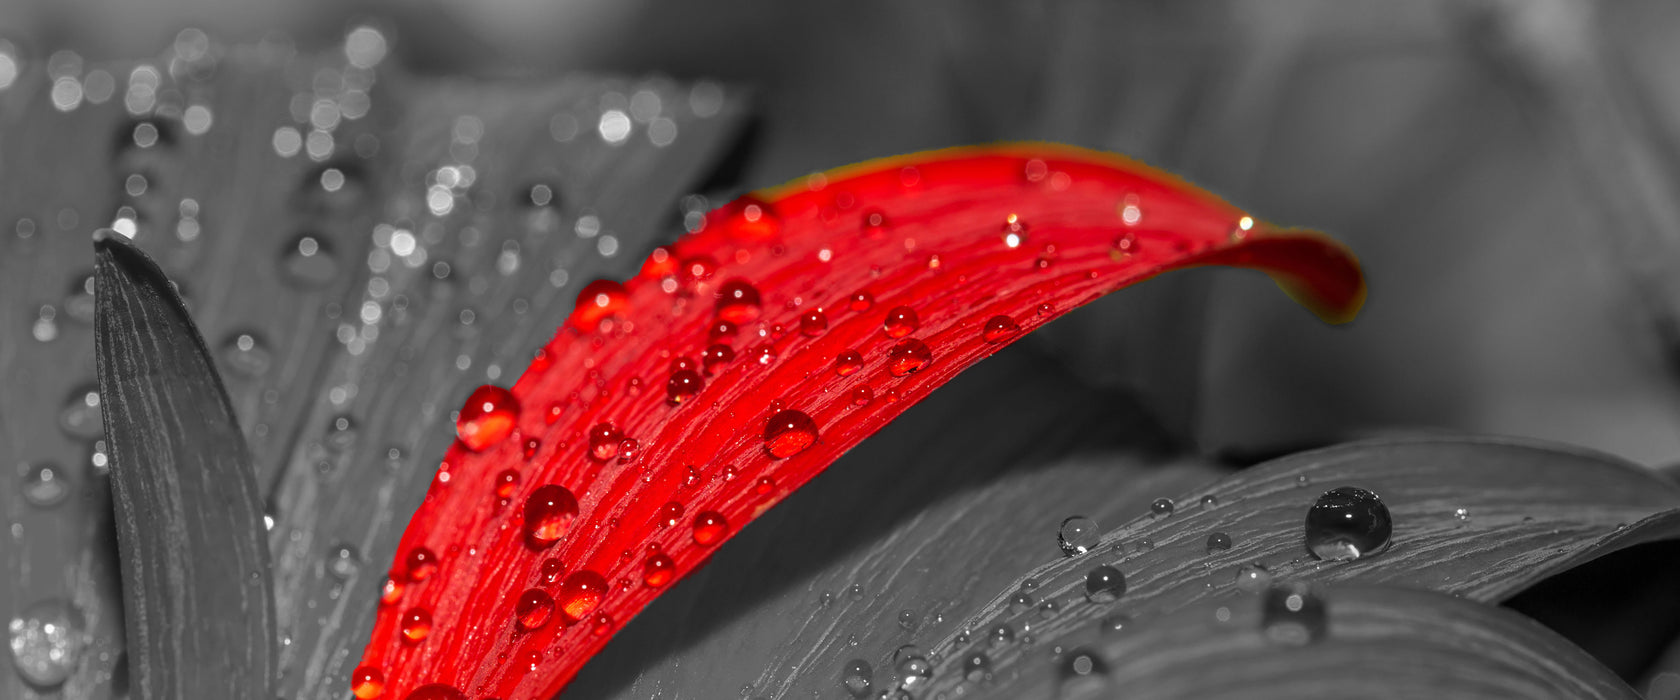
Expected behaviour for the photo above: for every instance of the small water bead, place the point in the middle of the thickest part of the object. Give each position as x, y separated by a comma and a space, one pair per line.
788, 433
670, 514
391, 592
82, 418
604, 440
716, 355
813, 323
416, 624
977, 666
908, 356
764, 354
1218, 542
420, 564
45, 484
682, 386
1162, 507
1253, 578
907, 619
861, 301
1104, 584
309, 261
533, 610
488, 417
1210, 502
1049, 609
367, 682
1348, 523
549, 571
861, 396
531, 447
581, 594
901, 321
1020, 602
596, 301
738, 302
1001, 636
999, 328
856, 678
244, 354
343, 561
847, 362
435, 691
1077, 535
658, 570
1293, 614
764, 486
1081, 671
912, 666
549, 512
722, 330
874, 223
47, 641
709, 528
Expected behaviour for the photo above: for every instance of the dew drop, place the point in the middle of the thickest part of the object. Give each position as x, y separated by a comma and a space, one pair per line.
1104, 584
420, 564
549, 512
847, 362
47, 641
861, 301
367, 682
435, 691
670, 514
1218, 542
581, 594
856, 678
788, 433
901, 321
1020, 602
1081, 671
488, 417
658, 570
533, 610
1077, 535
908, 356
1001, 636
343, 561
682, 386
596, 301
308, 261
391, 592
1293, 614
416, 624
1348, 523
738, 302
1162, 507
813, 323
1210, 502
604, 440
709, 528
246, 355
999, 328
912, 666
716, 355
45, 484
1253, 578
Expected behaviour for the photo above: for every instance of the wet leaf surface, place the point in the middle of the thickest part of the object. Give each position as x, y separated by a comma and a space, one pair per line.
198, 598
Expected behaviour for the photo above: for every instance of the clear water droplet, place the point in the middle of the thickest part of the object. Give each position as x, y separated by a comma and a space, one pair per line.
716, 355
420, 564
1104, 584
658, 570
45, 484
709, 528
1114, 623
1161, 507
856, 678
738, 302
1210, 502
533, 609
1001, 636
604, 441
1293, 614
788, 433
581, 594
47, 640
999, 328
597, 301
367, 683
901, 321
861, 301
1348, 523
1253, 578
1218, 542
847, 362
549, 512
416, 624
813, 323
682, 386
1077, 535
911, 666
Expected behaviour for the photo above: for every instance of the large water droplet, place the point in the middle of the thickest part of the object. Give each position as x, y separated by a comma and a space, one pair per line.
857, 678
1161, 507
581, 594
367, 682
604, 440
738, 302
1348, 523
788, 433
670, 514
901, 321
682, 386
710, 528
308, 261
658, 570
548, 515
488, 417
1081, 671
1293, 614
533, 609
47, 640
416, 624
596, 301
45, 484
1104, 584
435, 691
420, 564
847, 362
908, 356
1077, 535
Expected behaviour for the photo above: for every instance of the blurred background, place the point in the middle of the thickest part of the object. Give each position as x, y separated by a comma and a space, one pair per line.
1505, 170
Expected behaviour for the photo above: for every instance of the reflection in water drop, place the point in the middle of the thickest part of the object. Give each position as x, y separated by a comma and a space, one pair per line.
47, 641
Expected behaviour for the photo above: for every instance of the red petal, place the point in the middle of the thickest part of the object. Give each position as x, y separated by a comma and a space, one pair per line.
921, 265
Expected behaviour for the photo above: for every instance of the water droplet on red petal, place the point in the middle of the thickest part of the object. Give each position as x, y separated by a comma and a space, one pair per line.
533, 610
598, 300
549, 512
908, 356
581, 594
709, 528
788, 433
901, 321
999, 328
488, 417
